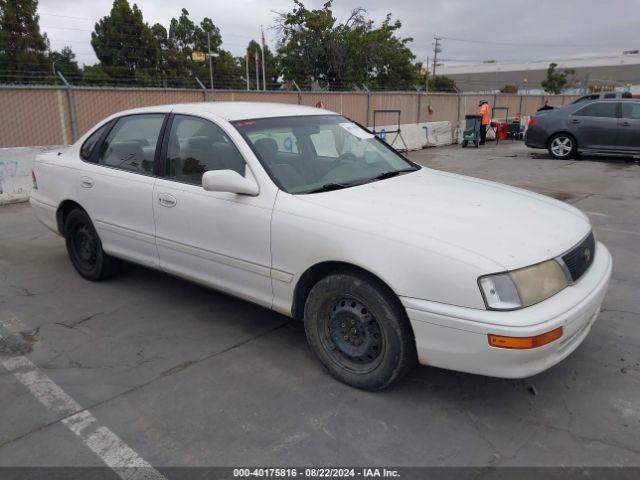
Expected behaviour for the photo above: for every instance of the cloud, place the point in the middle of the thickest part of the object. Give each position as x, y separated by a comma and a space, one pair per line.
521, 30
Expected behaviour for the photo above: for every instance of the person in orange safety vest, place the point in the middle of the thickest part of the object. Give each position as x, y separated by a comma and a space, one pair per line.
486, 119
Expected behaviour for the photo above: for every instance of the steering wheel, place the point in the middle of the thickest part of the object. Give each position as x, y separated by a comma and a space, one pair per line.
344, 157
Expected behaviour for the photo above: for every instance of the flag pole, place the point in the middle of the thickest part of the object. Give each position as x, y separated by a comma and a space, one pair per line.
264, 81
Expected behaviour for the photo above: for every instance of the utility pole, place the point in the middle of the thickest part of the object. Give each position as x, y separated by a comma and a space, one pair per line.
436, 50
210, 64
257, 66
426, 77
264, 81
246, 62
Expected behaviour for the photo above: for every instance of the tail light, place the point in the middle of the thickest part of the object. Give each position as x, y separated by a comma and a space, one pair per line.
533, 121
33, 178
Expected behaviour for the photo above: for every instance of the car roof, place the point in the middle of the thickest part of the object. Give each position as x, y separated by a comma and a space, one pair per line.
232, 111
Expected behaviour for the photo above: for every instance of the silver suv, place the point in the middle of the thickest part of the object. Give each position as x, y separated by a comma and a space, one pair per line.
602, 96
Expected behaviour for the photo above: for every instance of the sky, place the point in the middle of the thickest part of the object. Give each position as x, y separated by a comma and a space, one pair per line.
472, 30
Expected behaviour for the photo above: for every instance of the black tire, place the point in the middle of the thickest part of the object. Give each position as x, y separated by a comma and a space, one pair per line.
359, 331
465, 143
562, 146
476, 143
85, 248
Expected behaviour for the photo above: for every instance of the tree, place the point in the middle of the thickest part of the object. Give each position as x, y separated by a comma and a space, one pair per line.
442, 84
23, 49
125, 45
556, 80
185, 37
315, 50
509, 89
254, 55
65, 61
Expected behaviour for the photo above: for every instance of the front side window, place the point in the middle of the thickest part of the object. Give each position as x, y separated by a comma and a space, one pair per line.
131, 143
197, 145
90, 143
600, 109
631, 110
328, 152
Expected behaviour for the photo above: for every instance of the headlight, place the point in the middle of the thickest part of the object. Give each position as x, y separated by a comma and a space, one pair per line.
524, 287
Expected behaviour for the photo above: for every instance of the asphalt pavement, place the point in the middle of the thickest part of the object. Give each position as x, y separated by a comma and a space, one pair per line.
174, 374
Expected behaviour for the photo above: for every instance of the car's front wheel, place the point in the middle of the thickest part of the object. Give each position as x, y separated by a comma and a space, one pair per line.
562, 146
85, 248
359, 331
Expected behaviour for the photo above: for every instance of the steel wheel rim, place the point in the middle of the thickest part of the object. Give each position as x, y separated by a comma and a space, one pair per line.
561, 146
352, 335
85, 246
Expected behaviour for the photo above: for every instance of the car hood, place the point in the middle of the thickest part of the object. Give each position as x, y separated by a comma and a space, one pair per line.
510, 226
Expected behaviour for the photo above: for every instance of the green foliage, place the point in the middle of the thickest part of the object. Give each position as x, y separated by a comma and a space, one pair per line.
131, 51
556, 80
125, 46
65, 61
23, 49
255, 57
442, 84
317, 52
509, 89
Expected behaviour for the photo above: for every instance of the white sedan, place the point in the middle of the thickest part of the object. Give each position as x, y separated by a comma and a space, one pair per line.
302, 211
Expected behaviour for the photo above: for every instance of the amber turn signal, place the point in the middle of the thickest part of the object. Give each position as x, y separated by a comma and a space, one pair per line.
525, 342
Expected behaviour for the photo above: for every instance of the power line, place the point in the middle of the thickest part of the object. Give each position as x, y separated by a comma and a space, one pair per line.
517, 44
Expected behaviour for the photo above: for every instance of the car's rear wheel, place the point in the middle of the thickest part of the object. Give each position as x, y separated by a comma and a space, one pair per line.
562, 146
359, 331
85, 248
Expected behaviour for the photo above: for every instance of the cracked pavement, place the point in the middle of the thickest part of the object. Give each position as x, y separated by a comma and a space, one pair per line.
188, 376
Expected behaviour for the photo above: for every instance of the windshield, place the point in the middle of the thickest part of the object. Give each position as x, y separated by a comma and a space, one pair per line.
319, 153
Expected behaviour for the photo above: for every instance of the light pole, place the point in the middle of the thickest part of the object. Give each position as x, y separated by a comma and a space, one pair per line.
210, 62
257, 67
246, 62
264, 81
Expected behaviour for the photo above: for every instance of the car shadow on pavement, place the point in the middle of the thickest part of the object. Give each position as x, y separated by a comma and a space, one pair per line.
622, 161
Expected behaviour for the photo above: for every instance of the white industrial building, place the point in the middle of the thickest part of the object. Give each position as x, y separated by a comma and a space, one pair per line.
615, 71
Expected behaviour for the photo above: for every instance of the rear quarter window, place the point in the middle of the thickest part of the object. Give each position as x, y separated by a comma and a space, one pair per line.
90, 143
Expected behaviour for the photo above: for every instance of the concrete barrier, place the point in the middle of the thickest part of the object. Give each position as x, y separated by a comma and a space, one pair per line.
438, 133
417, 135
15, 172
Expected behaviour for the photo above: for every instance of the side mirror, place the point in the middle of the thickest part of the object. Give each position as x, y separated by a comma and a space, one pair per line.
228, 181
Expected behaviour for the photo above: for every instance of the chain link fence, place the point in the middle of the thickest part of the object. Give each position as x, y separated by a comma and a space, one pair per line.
58, 115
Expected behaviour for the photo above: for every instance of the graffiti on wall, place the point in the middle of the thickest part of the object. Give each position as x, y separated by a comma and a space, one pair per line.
15, 180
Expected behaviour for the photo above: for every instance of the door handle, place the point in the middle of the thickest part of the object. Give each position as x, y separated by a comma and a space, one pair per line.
167, 200
626, 124
575, 121
86, 182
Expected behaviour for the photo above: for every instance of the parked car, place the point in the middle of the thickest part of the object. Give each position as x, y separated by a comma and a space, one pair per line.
304, 212
600, 126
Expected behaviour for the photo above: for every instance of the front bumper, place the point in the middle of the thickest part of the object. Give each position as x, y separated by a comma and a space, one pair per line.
455, 338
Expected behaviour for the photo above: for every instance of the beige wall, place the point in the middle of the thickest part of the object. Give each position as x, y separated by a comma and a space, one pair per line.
40, 115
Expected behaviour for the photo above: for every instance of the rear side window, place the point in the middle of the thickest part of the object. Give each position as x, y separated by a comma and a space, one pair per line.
89, 144
631, 110
131, 143
600, 109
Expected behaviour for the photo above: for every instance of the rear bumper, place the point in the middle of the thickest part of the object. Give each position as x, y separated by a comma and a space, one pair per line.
45, 213
535, 138
456, 337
